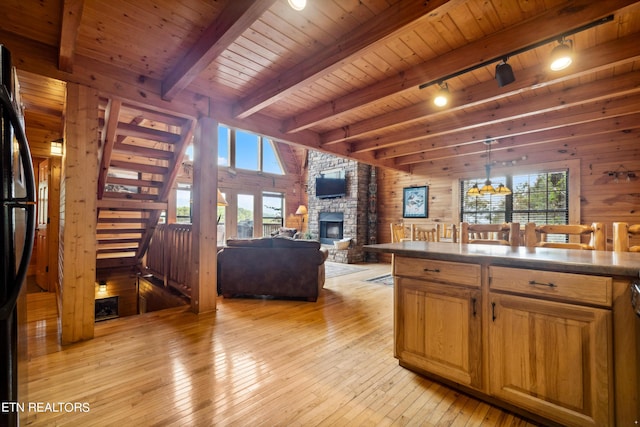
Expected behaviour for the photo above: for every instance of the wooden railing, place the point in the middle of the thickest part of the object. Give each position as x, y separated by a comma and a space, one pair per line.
169, 255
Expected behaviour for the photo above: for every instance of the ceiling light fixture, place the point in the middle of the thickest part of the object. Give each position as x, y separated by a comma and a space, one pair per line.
562, 55
297, 4
443, 95
504, 73
488, 188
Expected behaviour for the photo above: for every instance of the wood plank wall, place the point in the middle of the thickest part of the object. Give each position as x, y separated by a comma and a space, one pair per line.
601, 199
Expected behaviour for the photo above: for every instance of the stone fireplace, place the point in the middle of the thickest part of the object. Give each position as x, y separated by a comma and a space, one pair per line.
351, 216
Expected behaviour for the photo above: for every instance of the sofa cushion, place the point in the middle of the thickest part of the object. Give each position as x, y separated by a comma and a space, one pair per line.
262, 242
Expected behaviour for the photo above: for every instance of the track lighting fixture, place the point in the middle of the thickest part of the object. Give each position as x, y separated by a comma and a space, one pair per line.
297, 4
562, 55
442, 97
504, 73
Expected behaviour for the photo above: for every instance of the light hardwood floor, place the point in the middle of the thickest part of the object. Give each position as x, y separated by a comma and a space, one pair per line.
253, 362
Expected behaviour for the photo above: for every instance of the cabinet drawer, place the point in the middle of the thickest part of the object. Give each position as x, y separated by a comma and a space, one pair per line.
438, 271
570, 287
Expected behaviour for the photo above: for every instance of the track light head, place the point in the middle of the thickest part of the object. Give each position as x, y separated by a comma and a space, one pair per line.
442, 97
562, 55
504, 73
297, 5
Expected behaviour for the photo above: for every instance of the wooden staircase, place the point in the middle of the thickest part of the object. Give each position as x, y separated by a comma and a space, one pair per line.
142, 151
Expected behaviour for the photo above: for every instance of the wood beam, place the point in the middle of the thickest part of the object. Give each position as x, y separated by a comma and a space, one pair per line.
358, 43
497, 122
612, 54
204, 229
112, 115
71, 17
78, 221
234, 20
570, 14
109, 80
582, 118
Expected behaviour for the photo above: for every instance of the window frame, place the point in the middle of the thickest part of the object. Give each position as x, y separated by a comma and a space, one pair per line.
573, 175
231, 145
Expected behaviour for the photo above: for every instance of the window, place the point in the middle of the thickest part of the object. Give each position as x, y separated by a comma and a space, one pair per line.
272, 208
540, 197
224, 135
245, 215
183, 204
245, 150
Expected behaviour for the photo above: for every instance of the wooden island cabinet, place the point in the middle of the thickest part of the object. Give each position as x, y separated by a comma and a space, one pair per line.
549, 333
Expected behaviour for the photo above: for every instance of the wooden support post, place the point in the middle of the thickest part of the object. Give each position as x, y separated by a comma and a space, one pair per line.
78, 207
205, 185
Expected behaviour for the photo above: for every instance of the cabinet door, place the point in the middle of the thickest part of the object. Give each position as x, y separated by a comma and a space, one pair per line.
553, 359
438, 329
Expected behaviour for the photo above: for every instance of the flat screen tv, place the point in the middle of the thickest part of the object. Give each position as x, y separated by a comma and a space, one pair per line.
327, 188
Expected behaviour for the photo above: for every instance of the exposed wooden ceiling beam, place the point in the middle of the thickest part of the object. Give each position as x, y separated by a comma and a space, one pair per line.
71, 17
614, 53
476, 122
581, 115
569, 15
355, 44
234, 20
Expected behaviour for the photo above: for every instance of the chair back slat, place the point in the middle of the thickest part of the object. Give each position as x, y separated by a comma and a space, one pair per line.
507, 234
426, 233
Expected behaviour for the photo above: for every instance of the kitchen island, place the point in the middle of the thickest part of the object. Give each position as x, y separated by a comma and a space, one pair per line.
548, 333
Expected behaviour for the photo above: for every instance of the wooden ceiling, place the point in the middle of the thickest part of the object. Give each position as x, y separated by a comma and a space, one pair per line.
342, 76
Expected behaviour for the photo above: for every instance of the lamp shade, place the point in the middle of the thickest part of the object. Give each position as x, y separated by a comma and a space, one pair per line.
302, 210
221, 200
504, 74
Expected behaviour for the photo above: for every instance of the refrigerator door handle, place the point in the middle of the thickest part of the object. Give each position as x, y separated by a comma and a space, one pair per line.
28, 205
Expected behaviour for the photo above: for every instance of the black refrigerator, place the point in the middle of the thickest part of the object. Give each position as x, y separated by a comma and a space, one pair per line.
17, 227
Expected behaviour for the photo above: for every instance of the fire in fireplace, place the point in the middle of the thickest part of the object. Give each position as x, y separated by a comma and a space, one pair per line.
331, 226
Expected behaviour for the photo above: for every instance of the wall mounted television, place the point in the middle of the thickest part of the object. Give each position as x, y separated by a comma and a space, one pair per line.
331, 184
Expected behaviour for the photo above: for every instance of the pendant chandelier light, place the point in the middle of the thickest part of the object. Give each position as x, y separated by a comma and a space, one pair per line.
488, 188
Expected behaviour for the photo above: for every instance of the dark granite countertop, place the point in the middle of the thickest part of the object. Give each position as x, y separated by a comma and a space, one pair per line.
564, 260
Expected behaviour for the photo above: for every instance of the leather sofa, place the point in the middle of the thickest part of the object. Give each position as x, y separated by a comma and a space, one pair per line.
278, 266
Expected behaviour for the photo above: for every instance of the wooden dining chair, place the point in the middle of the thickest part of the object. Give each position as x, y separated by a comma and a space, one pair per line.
576, 234
425, 233
400, 233
491, 234
623, 232
448, 232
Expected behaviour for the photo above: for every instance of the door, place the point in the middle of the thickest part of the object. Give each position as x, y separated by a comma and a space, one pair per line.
439, 330
42, 252
552, 359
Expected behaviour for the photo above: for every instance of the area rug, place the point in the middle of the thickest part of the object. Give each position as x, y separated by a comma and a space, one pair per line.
386, 279
334, 269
